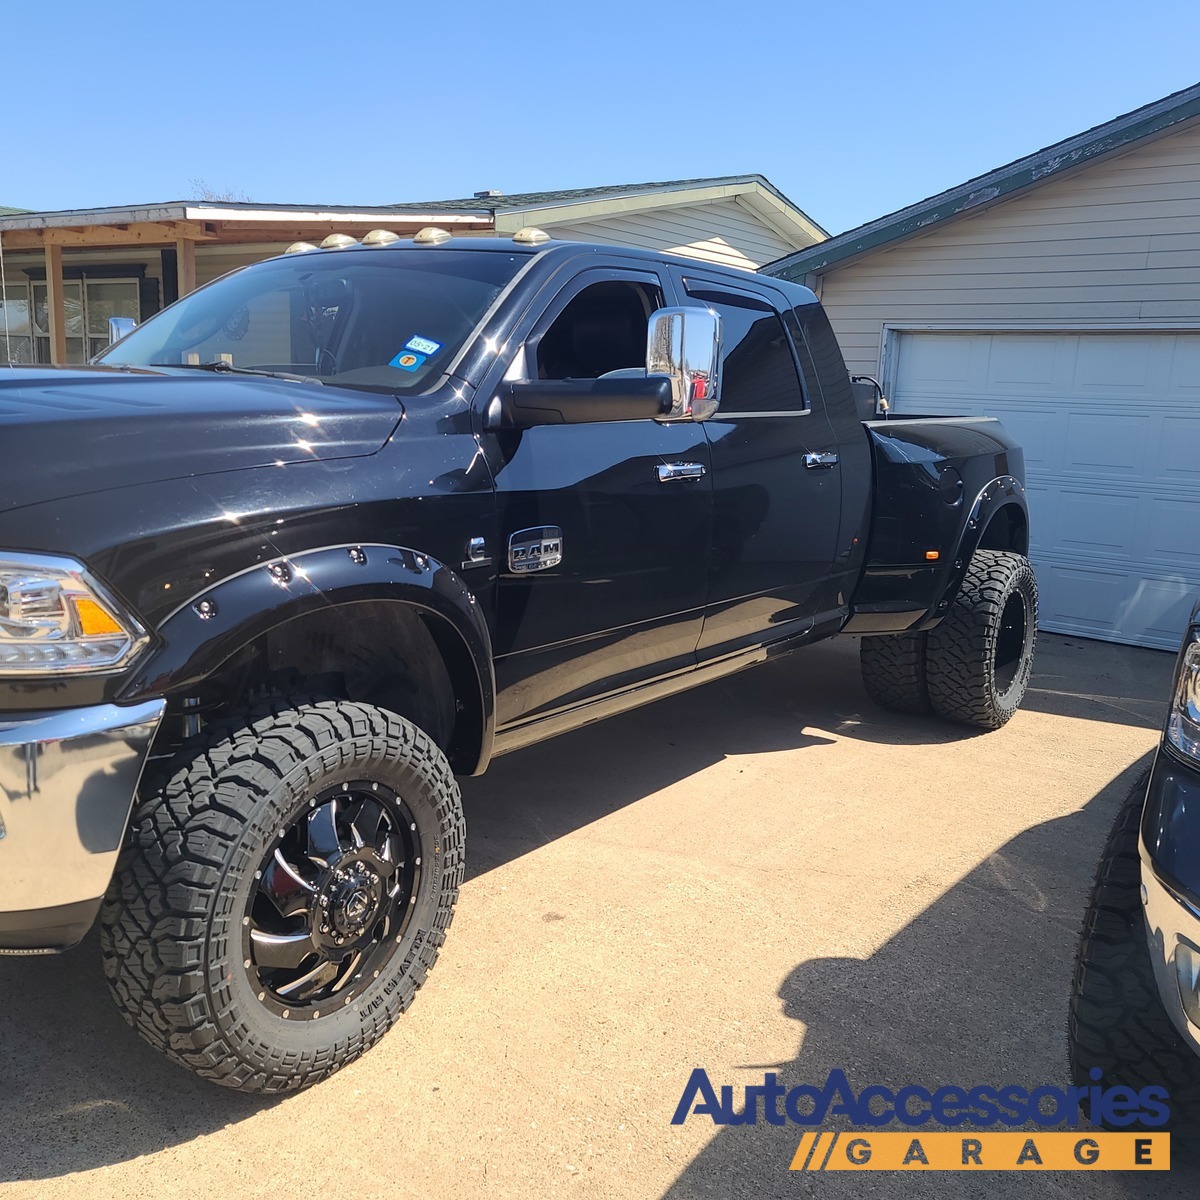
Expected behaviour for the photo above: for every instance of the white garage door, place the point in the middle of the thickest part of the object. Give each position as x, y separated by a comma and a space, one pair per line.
1110, 425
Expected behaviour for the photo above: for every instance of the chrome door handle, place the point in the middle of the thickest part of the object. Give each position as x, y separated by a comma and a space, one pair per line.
669, 472
818, 462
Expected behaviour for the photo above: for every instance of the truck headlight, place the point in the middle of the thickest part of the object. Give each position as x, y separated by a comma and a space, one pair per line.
55, 618
1183, 725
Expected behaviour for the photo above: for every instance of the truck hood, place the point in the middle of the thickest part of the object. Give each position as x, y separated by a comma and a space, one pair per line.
70, 432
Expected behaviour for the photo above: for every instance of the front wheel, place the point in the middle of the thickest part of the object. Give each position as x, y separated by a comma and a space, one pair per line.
979, 660
284, 893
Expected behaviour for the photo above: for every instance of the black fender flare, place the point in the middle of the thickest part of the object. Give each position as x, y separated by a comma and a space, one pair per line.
1005, 491
208, 629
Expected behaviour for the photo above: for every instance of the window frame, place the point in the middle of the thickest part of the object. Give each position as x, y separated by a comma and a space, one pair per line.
526, 361
719, 291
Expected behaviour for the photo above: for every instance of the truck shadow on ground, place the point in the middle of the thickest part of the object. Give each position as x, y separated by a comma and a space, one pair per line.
933, 1007
79, 1090
534, 796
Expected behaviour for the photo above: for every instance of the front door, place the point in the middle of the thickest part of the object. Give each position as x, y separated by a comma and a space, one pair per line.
604, 558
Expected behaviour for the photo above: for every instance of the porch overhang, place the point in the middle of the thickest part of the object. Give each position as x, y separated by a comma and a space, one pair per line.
185, 225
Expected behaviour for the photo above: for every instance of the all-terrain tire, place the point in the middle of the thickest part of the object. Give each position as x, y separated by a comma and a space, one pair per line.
893, 670
1117, 1021
178, 913
979, 660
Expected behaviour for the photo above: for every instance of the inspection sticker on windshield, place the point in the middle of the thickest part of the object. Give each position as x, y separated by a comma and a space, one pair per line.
407, 361
422, 345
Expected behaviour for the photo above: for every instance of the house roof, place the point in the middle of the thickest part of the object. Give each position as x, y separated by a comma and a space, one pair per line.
221, 220
1000, 184
569, 205
11, 212
524, 200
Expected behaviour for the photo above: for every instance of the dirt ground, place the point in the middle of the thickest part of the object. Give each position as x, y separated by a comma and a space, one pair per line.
767, 873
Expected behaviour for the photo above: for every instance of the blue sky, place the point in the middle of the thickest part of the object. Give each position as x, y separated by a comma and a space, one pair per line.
851, 109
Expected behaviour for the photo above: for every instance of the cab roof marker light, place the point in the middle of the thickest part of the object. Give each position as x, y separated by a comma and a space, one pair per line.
431, 235
380, 237
299, 248
530, 235
338, 241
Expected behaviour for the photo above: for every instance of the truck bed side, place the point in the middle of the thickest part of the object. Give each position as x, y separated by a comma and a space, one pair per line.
943, 487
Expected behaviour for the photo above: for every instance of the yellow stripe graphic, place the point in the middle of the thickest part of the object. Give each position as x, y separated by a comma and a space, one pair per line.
984, 1151
829, 1153
813, 1149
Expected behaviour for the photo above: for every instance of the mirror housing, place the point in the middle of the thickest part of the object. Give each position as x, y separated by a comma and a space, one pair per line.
522, 405
119, 327
684, 345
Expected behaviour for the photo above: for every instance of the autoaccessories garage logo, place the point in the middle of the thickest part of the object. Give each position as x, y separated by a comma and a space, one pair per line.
987, 1109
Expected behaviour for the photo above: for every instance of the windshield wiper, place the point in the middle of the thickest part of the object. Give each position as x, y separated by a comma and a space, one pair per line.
221, 367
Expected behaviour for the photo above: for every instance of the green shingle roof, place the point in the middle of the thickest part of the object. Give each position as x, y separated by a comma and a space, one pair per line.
13, 212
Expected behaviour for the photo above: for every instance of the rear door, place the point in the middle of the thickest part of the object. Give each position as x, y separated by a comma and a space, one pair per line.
776, 476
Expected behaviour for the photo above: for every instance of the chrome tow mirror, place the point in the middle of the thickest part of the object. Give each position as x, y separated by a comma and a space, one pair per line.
684, 344
119, 327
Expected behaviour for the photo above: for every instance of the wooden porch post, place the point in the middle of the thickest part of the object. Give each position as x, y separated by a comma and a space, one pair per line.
185, 257
54, 300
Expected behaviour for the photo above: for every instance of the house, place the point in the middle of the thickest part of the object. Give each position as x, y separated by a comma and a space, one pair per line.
90, 264
1060, 293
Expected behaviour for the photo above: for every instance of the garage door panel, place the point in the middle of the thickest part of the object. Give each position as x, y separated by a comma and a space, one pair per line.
1174, 529
1022, 364
1118, 365
1184, 378
1097, 524
941, 364
1179, 448
1110, 426
1080, 599
1106, 444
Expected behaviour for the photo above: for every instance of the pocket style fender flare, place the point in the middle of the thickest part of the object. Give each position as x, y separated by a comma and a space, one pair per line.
1003, 492
212, 626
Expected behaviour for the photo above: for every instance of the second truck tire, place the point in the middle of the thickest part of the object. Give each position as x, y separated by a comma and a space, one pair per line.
1117, 1020
978, 661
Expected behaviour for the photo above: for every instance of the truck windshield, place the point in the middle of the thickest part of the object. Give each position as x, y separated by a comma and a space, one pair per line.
377, 318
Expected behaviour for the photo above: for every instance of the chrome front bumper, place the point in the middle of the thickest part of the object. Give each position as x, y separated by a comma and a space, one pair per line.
1169, 920
67, 783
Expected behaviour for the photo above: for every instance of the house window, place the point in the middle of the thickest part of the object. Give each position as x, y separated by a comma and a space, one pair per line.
16, 332
87, 305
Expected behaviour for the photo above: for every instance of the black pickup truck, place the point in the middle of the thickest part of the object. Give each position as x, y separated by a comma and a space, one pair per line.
345, 523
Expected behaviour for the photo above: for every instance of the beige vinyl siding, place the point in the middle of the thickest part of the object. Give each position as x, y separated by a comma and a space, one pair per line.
722, 232
1114, 242
214, 261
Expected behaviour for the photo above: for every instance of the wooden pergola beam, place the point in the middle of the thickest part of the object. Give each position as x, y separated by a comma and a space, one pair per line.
102, 236
185, 255
54, 302
168, 233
